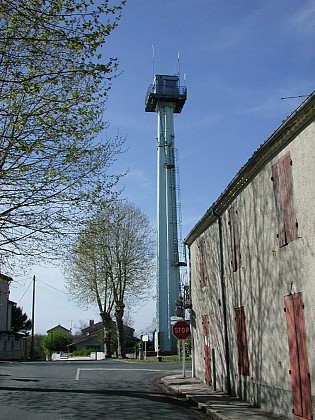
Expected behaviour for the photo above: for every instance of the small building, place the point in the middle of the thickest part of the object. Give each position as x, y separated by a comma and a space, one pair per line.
252, 264
94, 327
12, 344
59, 328
92, 337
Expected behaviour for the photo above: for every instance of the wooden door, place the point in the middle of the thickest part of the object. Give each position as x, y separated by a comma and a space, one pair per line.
299, 370
243, 361
207, 349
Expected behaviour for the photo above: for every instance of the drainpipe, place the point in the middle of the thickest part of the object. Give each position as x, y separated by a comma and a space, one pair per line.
192, 324
222, 277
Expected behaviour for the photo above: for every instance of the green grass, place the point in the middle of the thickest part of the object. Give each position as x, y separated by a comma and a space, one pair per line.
165, 359
80, 353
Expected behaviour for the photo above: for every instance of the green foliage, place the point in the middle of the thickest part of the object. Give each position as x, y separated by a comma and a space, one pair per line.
85, 352
112, 262
38, 349
113, 257
19, 320
56, 341
53, 84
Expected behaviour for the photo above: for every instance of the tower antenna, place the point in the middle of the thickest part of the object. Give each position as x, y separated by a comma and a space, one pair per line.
153, 61
294, 97
178, 63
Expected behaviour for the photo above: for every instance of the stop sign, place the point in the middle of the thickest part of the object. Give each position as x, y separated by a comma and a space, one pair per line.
181, 330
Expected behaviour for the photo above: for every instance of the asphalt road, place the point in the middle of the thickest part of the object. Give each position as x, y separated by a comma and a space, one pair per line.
88, 390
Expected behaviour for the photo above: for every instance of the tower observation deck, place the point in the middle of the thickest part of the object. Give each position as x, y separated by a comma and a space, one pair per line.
166, 97
165, 89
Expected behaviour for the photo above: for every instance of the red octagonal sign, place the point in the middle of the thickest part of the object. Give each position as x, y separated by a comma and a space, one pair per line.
181, 330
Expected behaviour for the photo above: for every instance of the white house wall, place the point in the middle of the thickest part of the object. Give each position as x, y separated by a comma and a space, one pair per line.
4, 292
266, 274
12, 345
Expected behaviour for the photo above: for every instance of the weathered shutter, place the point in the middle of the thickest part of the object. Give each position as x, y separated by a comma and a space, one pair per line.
293, 351
299, 369
243, 362
207, 349
278, 202
235, 241
202, 265
283, 193
287, 199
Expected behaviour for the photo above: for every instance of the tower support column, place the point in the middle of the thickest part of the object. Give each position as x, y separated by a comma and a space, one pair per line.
166, 97
168, 271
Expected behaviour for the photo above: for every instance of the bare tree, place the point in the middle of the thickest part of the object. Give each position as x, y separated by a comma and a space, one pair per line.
126, 244
88, 281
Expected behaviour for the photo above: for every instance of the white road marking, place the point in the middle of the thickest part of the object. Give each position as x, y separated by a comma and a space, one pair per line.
77, 377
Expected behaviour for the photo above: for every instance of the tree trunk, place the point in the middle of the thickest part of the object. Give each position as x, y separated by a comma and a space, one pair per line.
107, 327
119, 313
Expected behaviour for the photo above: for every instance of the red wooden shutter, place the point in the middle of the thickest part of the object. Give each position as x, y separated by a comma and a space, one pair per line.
293, 351
299, 369
287, 200
278, 203
243, 362
235, 240
207, 349
283, 193
202, 264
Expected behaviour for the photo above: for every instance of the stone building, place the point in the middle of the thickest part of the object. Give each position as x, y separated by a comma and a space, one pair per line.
252, 265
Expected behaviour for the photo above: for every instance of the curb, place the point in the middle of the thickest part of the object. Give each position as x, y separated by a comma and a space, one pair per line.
216, 405
204, 408
214, 414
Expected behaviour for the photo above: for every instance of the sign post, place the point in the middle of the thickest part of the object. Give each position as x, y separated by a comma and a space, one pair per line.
181, 330
145, 339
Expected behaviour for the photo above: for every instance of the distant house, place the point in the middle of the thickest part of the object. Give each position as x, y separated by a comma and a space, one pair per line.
98, 327
59, 328
94, 327
12, 344
92, 337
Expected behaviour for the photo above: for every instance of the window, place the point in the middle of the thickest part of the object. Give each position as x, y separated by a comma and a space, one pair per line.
283, 192
235, 239
243, 362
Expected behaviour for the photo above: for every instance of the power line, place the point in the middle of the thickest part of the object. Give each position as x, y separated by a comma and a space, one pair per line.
52, 287
46, 284
25, 291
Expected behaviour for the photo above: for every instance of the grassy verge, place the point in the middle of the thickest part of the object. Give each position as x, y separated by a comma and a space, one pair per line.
153, 359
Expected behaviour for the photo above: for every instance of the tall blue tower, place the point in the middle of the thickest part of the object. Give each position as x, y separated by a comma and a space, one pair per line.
166, 97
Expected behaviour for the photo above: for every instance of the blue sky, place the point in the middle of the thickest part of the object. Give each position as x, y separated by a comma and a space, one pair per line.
239, 59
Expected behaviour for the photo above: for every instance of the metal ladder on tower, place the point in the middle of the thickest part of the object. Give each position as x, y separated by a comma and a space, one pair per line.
175, 219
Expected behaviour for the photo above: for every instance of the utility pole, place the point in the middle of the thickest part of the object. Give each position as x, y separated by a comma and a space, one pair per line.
33, 319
